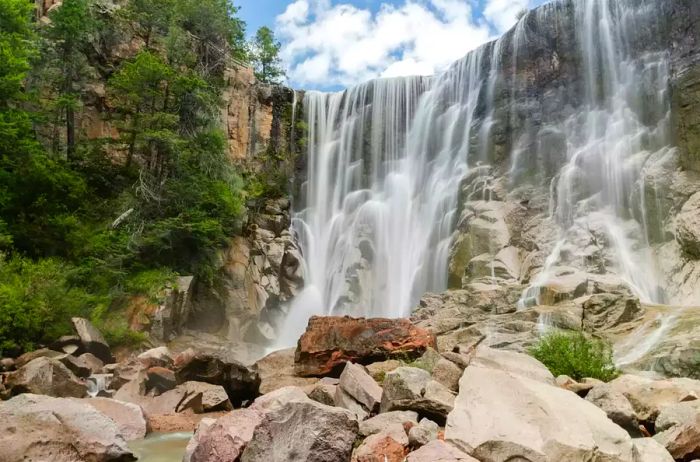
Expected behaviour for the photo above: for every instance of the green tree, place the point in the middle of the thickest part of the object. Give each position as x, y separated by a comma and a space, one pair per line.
265, 56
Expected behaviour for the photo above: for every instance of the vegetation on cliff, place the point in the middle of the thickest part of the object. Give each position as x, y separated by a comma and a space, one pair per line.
86, 220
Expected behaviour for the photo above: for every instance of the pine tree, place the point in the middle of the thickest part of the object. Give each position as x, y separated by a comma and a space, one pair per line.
265, 55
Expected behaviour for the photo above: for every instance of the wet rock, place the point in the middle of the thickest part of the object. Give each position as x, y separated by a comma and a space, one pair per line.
356, 382
439, 451
240, 382
92, 339
423, 433
389, 445
129, 417
567, 284
607, 311
678, 430
379, 422
223, 439
500, 415
46, 376
616, 406
329, 342
410, 388
39, 428
303, 430
276, 370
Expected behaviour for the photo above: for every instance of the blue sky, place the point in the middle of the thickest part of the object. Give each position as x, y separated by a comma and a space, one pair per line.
331, 44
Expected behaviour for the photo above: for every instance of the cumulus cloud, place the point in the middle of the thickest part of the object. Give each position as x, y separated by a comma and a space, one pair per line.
328, 44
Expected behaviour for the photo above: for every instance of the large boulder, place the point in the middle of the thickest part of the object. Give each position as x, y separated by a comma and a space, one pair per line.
329, 342
510, 361
276, 370
46, 376
389, 445
379, 422
240, 382
92, 340
42, 428
616, 406
303, 431
413, 389
129, 417
501, 416
678, 428
356, 382
439, 451
181, 399
223, 439
214, 397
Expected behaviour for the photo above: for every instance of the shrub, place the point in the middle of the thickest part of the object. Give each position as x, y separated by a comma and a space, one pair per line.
576, 355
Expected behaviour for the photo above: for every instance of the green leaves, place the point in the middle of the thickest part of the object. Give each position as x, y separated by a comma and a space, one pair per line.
575, 355
265, 56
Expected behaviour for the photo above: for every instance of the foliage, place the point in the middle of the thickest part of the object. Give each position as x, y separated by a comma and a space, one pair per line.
575, 355
265, 56
37, 300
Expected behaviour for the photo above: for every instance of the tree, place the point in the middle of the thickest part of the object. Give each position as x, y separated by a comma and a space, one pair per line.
265, 56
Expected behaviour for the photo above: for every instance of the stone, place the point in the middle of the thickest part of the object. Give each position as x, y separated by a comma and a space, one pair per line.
567, 284
276, 370
346, 401
240, 382
501, 416
77, 366
129, 417
278, 398
616, 406
648, 450
439, 451
678, 430
388, 445
223, 439
43, 428
303, 431
379, 369
381, 421
30, 356
515, 363
174, 401
156, 357
410, 388
124, 372
92, 339
214, 397
329, 342
324, 393
160, 380
688, 226
169, 318
447, 373
94, 363
46, 376
356, 382
70, 344
423, 433
7, 364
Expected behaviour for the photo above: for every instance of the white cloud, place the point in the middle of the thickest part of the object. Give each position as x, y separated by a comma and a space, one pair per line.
326, 44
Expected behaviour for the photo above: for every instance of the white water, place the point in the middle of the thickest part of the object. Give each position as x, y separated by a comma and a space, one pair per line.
385, 161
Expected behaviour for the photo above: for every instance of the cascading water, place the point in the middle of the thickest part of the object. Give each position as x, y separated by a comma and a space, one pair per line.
386, 159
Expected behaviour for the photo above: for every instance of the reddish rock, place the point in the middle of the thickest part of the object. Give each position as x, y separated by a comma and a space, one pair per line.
160, 379
330, 342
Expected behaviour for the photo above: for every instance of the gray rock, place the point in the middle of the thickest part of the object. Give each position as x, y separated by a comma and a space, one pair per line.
344, 400
516, 363
678, 430
303, 431
439, 451
278, 398
423, 433
42, 428
324, 393
447, 373
616, 406
223, 439
129, 417
379, 422
46, 376
92, 362
410, 388
214, 397
688, 226
92, 339
156, 357
648, 450
356, 382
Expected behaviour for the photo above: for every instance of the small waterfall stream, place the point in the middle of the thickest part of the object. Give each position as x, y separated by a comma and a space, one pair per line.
386, 159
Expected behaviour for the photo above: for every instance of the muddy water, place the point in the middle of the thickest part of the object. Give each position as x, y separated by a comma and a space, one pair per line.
161, 447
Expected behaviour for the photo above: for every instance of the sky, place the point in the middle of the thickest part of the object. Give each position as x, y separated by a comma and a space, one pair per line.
333, 44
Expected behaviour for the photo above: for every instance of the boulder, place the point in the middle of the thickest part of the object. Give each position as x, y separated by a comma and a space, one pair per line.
346, 401
423, 433
648, 450
30, 356
616, 406
223, 439
447, 373
510, 361
240, 382
356, 382
389, 445
678, 430
156, 357
303, 431
214, 397
688, 226
42, 428
129, 417
160, 380
94, 363
410, 388
502, 416
379, 422
324, 393
180, 399
278, 398
329, 342
46, 376
439, 451
276, 370
7, 364
124, 372
92, 340
76, 365
379, 369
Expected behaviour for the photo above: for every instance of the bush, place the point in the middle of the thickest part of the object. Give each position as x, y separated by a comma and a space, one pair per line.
576, 355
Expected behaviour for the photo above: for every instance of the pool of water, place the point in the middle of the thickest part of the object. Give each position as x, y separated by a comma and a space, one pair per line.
161, 447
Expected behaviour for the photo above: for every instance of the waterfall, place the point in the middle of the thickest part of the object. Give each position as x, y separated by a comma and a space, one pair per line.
386, 160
